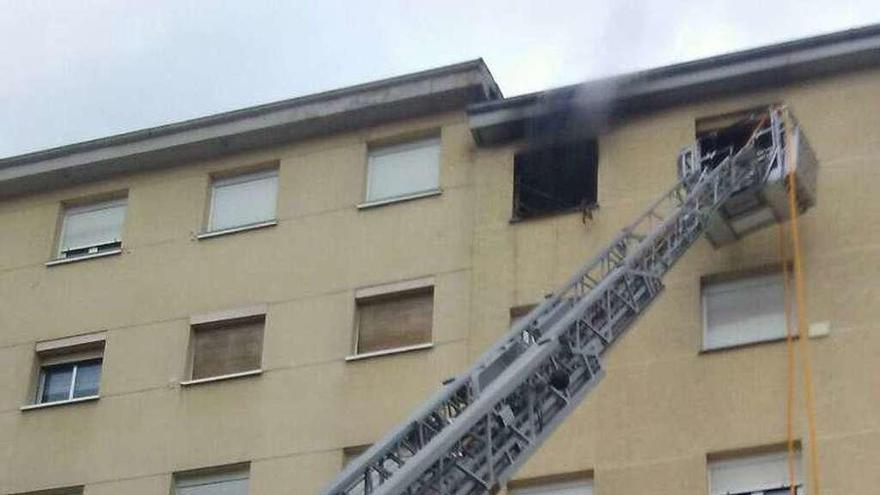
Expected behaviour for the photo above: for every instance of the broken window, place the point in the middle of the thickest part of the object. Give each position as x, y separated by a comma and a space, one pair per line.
724, 135
553, 179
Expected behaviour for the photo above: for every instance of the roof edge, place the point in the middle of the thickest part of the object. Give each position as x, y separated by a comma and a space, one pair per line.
494, 122
125, 137
410, 95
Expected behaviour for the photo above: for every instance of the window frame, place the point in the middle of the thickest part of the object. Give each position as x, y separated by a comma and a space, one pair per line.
76, 350
67, 490
391, 291
767, 455
242, 177
353, 452
518, 312
71, 387
586, 207
532, 486
211, 476
384, 149
218, 321
79, 209
742, 276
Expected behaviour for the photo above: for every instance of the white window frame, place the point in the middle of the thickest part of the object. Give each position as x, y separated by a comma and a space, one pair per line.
78, 210
549, 486
76, 349
766, 457
210, 477
390, 149
242, 178
705, 286
76, 361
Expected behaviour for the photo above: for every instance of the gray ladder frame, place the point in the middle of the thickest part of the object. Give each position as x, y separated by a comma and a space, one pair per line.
475, 432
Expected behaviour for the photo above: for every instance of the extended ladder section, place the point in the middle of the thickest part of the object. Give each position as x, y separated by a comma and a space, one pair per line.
483, 425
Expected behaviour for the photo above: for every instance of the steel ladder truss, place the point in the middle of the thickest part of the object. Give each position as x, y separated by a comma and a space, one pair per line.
480, 427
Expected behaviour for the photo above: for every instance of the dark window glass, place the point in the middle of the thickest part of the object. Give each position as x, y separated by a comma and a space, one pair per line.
88, 376
56, 382
70, 380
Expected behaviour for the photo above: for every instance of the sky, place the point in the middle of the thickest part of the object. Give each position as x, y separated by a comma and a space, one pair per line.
77, 70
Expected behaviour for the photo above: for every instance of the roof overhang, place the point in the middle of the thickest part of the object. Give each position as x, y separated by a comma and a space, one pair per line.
586, 109
423, 93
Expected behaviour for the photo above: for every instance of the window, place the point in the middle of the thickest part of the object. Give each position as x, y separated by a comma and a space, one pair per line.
743, 311
763, 474
571, 487
92, 229
69, 381
243, 200
396, 320
555, 179
750, 208
75, 490
220, 481
724, 135
351, 453
229, 347
403, 170
518, 312
69, 369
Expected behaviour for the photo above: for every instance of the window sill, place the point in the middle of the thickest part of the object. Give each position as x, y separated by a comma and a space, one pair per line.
399, 199
44, 405
585, 210
387, 352
235, 230
744, 345
220, 378
74, 259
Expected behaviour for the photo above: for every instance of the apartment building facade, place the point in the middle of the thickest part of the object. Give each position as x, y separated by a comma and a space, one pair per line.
241, 303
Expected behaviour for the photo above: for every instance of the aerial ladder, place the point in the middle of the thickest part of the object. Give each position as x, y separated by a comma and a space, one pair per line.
480, 427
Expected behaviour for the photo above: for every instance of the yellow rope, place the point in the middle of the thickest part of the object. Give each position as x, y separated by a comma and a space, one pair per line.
789, 348
800, 306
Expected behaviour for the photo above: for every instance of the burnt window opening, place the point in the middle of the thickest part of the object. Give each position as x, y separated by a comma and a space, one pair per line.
723, 136
554, 179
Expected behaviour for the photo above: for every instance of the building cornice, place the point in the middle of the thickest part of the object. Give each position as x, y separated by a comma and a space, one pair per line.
412, 95
589, 106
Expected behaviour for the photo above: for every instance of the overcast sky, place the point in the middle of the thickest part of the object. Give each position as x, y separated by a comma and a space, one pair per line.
77, 70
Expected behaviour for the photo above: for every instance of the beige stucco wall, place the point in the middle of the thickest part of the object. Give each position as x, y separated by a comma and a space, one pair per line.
649, 426
293, 420
663, 405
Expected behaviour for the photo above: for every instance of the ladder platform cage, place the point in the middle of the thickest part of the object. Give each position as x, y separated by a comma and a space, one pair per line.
759, 137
